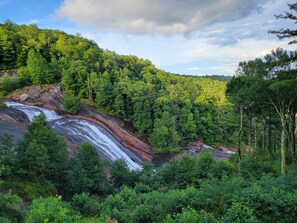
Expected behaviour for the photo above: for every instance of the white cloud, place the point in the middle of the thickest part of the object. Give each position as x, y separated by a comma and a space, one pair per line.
213, 49
245, 49
155, 16
178, 51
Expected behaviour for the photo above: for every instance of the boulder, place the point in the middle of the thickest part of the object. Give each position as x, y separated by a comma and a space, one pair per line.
25, 97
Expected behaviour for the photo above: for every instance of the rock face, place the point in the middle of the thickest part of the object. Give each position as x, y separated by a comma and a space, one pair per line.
47, 95
196, 148
126, 138
50, 96
25, 97
13, 123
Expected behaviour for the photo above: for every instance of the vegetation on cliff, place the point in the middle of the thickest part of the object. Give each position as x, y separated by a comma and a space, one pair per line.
170, 110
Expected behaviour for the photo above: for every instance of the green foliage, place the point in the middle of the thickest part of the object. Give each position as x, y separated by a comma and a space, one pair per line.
42, 153
24, 76
287, 33
120, 174
86, 172
104, 90
272, 204
165, 137
7, 154
259, 165
74, 78
35, 158
85, 204
7, 46
216, 196
188, 170
11, 209
30, 190
148, 179
240, 213
222, 78
191, 216
2, 104
188, 189
51, 209
265, 92
181, 172
204, 165
38, 68
9, 84
70, 103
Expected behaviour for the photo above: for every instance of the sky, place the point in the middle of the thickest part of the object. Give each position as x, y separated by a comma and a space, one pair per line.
193, 37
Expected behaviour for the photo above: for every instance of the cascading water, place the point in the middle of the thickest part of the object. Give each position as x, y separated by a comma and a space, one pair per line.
82, 130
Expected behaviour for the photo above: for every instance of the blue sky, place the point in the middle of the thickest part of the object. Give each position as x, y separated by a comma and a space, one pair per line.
194, 37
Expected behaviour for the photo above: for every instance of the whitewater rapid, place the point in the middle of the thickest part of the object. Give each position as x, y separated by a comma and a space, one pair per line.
80, 130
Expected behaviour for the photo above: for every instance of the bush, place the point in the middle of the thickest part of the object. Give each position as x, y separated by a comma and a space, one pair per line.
85, 204
255, 166
189, 215
51, 209
70, 103
11, 208
240, 213
30, 190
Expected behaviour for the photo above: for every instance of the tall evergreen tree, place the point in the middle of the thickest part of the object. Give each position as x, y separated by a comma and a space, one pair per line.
38, 68
287, 33
86, 173
42, 153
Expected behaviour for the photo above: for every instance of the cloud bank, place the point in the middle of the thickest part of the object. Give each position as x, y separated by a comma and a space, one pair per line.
155, 16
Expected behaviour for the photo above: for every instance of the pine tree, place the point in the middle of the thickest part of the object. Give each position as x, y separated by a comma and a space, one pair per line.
287, 33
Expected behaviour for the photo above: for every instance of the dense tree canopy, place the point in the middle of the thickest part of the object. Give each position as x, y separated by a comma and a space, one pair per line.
266, 89
126, 86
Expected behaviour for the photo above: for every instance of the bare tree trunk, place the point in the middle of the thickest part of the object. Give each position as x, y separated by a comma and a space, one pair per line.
283, 151
270, 136
90, 89
255, 136
275, 141
288, 138
250, 133
263, 134
293, 139
239, 133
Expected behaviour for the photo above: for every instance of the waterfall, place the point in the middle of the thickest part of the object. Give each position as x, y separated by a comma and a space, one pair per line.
80, 130
32, 111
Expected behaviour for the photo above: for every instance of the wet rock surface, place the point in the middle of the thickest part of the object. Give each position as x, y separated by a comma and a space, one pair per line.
50, 97
16, 133
13, 123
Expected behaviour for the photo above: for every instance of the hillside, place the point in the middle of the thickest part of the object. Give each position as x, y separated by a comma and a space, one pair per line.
170, 110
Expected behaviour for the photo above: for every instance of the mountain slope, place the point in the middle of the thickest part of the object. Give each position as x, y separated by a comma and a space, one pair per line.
168, 109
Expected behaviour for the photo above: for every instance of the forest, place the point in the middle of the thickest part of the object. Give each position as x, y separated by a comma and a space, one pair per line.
169, 110
254, 112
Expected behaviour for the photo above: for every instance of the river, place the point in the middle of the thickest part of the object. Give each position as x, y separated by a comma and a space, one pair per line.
79, 130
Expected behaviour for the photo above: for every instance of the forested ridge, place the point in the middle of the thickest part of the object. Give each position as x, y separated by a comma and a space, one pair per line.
255, 112
170, 110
